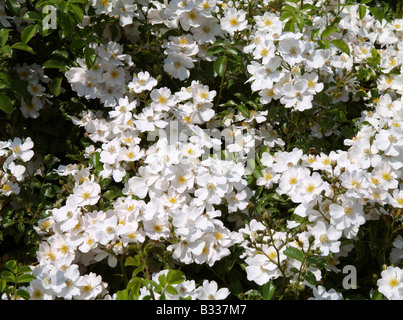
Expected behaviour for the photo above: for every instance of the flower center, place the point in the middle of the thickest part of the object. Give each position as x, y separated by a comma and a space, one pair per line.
393, 282
17, 149
233, 21
293, 50
114, 74
157, 228
292, 180
348, 211
323, 238
272, 255
309, 188
141, 82
386, 176
206, 29
162, 99
392, 138
86, 195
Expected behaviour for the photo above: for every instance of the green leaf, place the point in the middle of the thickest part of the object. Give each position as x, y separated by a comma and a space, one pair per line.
3, 284
328, 31
122, 295
134, 287
220, 64
6, 51
361, 94
8, 276
175, 277
218, 43
23, 294
26, 277
4, 36
290, 25
24, 269
171, 290
347, 132
309, 7
90, 57
362, 9
133, 261
235, 52
77, 11
310, 277
137, 271
323, 44
274, 197
268, 290
378, 14
67, 21
162, 279
244, 110
341, 116
294, 253
23, 46
300, 21
95, 159
214, 50
21, 226
12, 266
316, 262
55, 86
286, 15
14, 7
341, 45
288, 8
257, 173
6, 104
6, 222
28, 33
376, 295
61, 54
53, 64
32, 15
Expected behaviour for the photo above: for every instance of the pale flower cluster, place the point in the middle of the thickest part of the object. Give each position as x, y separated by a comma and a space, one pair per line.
15, 156
172, 198
187, 289
37, 81
175, 192
108, 76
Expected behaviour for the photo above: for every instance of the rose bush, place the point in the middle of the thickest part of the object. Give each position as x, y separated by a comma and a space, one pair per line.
201, 149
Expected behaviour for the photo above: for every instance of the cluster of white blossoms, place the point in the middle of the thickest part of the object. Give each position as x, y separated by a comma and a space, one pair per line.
125, 10
37, 81
338, 192
172, 189
108, 76
292, 68
187, 289
15, 156
198, 19
173, 197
